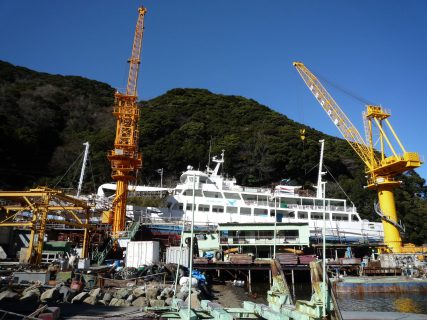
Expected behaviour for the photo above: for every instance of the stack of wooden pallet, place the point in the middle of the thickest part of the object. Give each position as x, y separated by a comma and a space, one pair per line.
350, 260
240, 258
306, 259
200, 260
287, 258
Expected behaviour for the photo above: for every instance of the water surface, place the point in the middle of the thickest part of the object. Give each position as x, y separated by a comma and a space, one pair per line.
389, 302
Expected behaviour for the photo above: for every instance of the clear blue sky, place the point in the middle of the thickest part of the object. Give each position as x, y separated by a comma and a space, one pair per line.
376, 49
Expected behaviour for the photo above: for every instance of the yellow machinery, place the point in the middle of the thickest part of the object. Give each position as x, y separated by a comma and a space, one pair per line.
125, 158
381, 170
39, 209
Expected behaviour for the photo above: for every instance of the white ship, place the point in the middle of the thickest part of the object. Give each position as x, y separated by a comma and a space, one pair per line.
218, 199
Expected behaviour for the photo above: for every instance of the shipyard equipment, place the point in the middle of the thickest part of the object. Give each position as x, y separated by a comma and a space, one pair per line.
125, 159
39, 209
381, 169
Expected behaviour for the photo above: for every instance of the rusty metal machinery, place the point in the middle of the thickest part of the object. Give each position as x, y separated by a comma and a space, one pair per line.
125, 159
36, 209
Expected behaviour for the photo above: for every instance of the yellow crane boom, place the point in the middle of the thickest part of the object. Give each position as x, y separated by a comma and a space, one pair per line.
125, 159
381, 170
337, 116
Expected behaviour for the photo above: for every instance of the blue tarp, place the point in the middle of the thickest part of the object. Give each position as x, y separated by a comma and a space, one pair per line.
199, 276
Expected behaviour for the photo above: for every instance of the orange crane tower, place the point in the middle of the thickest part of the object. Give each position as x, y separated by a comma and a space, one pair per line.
381, 170
125, 158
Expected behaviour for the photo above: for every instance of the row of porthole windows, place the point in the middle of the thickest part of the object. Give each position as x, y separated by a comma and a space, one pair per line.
258, 211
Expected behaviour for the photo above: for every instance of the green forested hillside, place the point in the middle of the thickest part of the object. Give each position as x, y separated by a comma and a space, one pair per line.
46, 118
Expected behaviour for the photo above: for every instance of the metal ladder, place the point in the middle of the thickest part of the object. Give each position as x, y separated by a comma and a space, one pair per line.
386, 218
99, 256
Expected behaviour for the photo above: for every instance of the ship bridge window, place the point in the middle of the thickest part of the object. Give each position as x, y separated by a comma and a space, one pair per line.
307, 202
217, 209
180, 206
245, 211
288, 201
203, 207
284, 204
288, 214
267, 234
210, 194
249, 197
260, 212
288, 233
263, 200
230, 195
197, 193
318, 216
339, 217
354, 218
231, 209
189, 206
302, 215
202, 179
282, 213
319, 203
337, 203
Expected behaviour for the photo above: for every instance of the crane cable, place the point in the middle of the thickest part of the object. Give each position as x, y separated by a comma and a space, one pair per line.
344, 90
69, 168
334, 180
339, 185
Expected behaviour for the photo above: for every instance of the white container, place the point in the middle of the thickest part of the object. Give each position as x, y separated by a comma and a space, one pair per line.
83, 264
184, 282
140, 253
173, 255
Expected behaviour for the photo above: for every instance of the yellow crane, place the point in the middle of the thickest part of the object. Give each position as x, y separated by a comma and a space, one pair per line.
39, 210
381, 169
125, 159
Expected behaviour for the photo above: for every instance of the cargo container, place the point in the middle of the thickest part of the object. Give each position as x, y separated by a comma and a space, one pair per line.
140, 253
173, 255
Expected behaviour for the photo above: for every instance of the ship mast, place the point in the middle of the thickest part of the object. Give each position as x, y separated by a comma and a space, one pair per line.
320, 194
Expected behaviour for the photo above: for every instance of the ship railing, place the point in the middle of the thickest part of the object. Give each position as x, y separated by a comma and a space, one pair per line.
175, 222
260, 240
151, 220
318, 208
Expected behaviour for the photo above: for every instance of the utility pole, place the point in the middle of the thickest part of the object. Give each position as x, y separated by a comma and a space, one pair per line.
160, 171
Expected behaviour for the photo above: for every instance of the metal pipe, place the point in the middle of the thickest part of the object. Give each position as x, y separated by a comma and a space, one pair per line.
275, 224
82, 172
180, 256
324, 259
191, 248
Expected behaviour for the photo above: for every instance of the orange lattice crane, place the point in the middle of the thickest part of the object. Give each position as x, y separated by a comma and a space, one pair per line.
381, 169
125, 158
